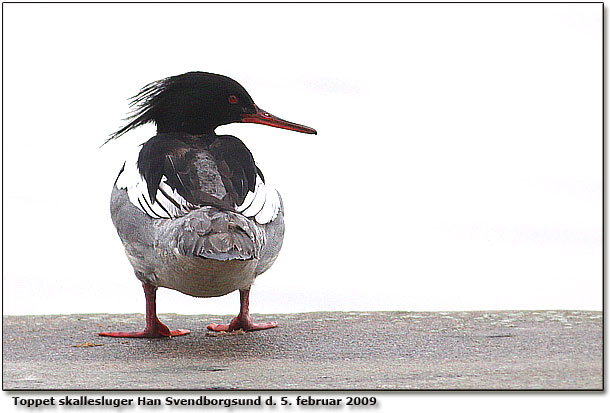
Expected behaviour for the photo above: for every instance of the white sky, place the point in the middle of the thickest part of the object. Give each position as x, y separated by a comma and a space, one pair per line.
457, 166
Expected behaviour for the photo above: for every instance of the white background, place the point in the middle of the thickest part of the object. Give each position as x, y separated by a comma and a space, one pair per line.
457, 166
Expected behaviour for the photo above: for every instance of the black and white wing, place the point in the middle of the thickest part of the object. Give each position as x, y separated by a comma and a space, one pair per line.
172, 176
249, 193
263, 203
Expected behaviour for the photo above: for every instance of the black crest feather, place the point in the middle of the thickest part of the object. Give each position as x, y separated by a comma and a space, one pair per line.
193, 102
143, 106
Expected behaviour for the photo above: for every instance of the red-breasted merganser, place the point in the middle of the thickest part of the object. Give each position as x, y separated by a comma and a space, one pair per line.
192, 208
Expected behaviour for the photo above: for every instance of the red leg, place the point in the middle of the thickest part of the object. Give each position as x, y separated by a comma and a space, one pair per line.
154, 327
243, 321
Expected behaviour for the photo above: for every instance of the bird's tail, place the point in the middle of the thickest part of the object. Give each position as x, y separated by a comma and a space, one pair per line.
215, 234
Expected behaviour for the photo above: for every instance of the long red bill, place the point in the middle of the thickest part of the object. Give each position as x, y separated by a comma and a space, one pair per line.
266, 118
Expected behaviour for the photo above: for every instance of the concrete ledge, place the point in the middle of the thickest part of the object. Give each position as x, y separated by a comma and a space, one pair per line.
335, 350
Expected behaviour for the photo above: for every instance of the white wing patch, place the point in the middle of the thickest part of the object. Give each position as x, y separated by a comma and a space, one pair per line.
263, 204
168, 203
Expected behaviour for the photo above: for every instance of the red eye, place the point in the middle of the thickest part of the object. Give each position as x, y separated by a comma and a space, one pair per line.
233, 99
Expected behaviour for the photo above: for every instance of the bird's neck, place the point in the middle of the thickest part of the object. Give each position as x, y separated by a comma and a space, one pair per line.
194, 134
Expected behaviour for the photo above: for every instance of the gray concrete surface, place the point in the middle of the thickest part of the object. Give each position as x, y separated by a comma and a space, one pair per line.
334, 350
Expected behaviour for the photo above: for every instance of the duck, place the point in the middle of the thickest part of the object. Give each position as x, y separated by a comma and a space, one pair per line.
193, 209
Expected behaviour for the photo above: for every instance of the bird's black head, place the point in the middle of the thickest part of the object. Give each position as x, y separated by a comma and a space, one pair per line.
197, 103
